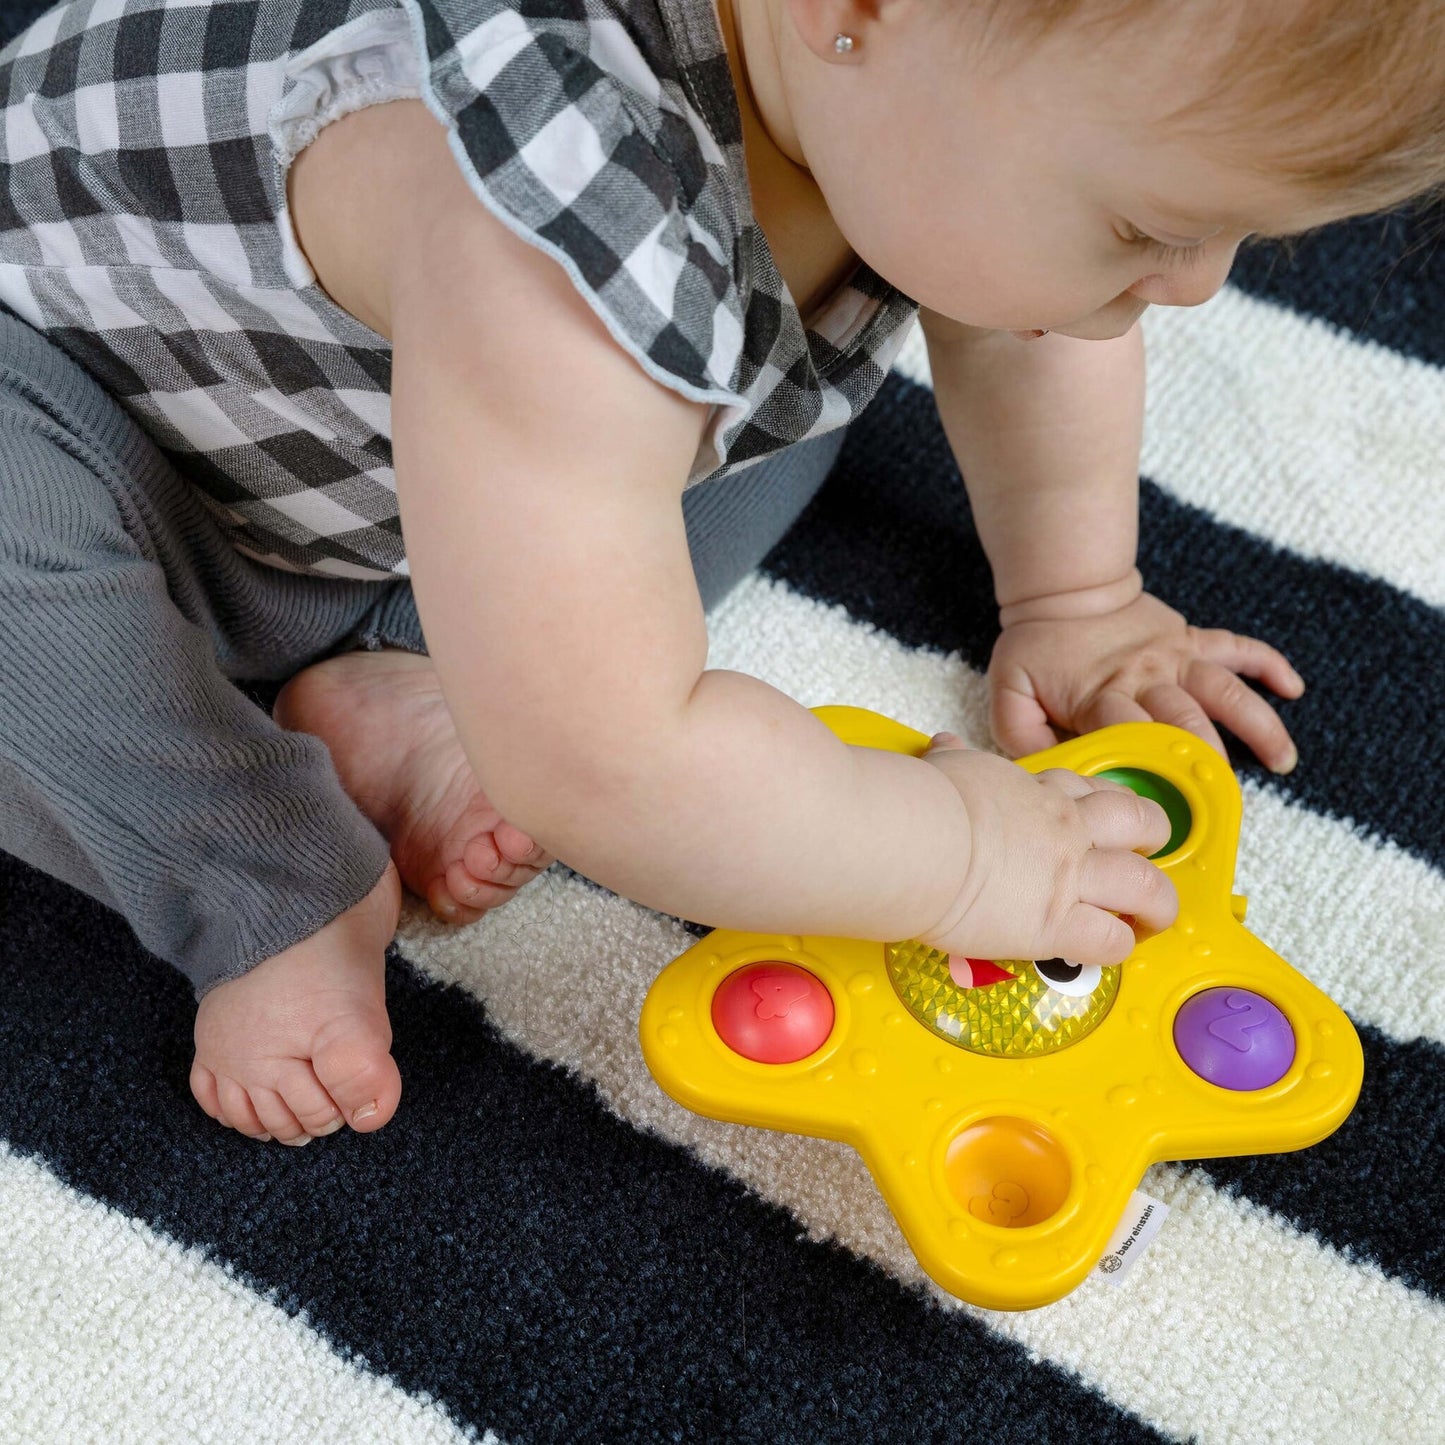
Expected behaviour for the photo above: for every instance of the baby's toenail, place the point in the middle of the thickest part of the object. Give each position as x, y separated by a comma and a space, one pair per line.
300, 1143
337, 1123
364, 1112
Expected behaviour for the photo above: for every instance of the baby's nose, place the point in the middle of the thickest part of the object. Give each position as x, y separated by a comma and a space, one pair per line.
1190, 285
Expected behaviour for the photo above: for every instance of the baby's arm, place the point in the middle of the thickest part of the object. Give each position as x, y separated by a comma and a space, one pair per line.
1047, 435
539, 476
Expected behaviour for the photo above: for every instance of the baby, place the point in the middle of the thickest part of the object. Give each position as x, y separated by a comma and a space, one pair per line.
529, 284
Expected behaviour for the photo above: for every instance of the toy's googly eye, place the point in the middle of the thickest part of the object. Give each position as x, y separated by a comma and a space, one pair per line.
1077, 980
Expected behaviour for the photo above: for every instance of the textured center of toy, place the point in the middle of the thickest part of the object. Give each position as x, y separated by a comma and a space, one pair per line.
1020, 1016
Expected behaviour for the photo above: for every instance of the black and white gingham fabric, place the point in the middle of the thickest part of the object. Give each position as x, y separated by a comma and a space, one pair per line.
143, 227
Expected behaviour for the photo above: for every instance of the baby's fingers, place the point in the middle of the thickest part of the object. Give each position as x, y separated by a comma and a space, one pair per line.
1122, 820
1250, 657
1108, 708
1122, 882
1169, 703
1094, 936
1078, 785
1068, 782
1245, 713
1020, 724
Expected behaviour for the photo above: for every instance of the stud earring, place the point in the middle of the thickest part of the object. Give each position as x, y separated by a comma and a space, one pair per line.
842, 43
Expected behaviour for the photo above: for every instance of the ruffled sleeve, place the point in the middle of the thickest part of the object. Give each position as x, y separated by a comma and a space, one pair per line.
565, 134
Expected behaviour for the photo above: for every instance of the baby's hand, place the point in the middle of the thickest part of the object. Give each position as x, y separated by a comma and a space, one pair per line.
1054, 857
1140, 662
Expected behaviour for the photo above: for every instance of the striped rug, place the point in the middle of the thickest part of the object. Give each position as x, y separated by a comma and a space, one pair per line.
543, 1247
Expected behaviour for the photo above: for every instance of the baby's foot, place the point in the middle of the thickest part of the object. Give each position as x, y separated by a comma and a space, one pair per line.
398, 756
301, 1044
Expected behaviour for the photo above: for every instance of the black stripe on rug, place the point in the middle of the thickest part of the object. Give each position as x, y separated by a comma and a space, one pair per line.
1371, 277
505, 1243
890, 538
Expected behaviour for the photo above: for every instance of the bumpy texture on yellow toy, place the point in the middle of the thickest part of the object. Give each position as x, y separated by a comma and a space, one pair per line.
1011, 1019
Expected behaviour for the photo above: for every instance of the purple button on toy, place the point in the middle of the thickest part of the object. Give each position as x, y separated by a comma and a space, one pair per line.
1234, 1038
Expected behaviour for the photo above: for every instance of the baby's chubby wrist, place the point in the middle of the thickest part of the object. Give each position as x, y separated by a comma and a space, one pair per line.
1095, 600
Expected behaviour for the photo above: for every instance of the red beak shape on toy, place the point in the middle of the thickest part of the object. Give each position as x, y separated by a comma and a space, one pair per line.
976, 972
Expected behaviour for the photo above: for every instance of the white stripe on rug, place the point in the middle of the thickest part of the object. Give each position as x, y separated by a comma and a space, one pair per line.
1293, 451
108, 1326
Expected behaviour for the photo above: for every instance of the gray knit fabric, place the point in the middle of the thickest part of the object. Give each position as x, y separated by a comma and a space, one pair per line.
130, 765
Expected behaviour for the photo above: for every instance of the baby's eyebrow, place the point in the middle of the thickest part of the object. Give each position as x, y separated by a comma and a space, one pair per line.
1191, 223
1188, 219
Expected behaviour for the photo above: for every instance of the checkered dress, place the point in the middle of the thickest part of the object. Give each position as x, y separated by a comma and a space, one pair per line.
144, 229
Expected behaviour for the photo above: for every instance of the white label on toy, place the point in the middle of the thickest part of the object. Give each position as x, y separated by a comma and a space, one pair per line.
1142, 1220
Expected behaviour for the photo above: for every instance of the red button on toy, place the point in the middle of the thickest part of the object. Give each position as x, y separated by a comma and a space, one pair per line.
774, 1013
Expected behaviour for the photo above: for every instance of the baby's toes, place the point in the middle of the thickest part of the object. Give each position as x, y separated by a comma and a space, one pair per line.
517, 847
238, 1111
280, 1122
354, 1065
491, 869
314, 1108
475, 892
490, 862
441, 901
203, 1086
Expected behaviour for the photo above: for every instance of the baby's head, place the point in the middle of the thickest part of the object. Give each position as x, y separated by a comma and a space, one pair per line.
1061, 164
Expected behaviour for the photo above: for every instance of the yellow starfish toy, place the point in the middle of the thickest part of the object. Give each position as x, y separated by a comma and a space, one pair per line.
1007, 1110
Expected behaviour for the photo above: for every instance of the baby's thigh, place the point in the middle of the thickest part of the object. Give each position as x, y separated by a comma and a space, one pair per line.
66, 453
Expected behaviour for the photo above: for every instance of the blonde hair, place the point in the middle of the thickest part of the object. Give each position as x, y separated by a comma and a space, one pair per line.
1348, 95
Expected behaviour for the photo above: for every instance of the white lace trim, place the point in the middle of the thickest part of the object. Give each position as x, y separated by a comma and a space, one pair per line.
369, 61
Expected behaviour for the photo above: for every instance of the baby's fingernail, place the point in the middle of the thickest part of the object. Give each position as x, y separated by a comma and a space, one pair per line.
263, 1138
364, 1112
337, 1123
1287, 765
300, 1143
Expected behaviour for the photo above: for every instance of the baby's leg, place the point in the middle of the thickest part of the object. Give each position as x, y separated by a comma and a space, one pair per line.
734, 522
131, 768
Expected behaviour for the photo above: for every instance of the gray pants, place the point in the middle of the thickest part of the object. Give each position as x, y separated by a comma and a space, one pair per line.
131, 766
